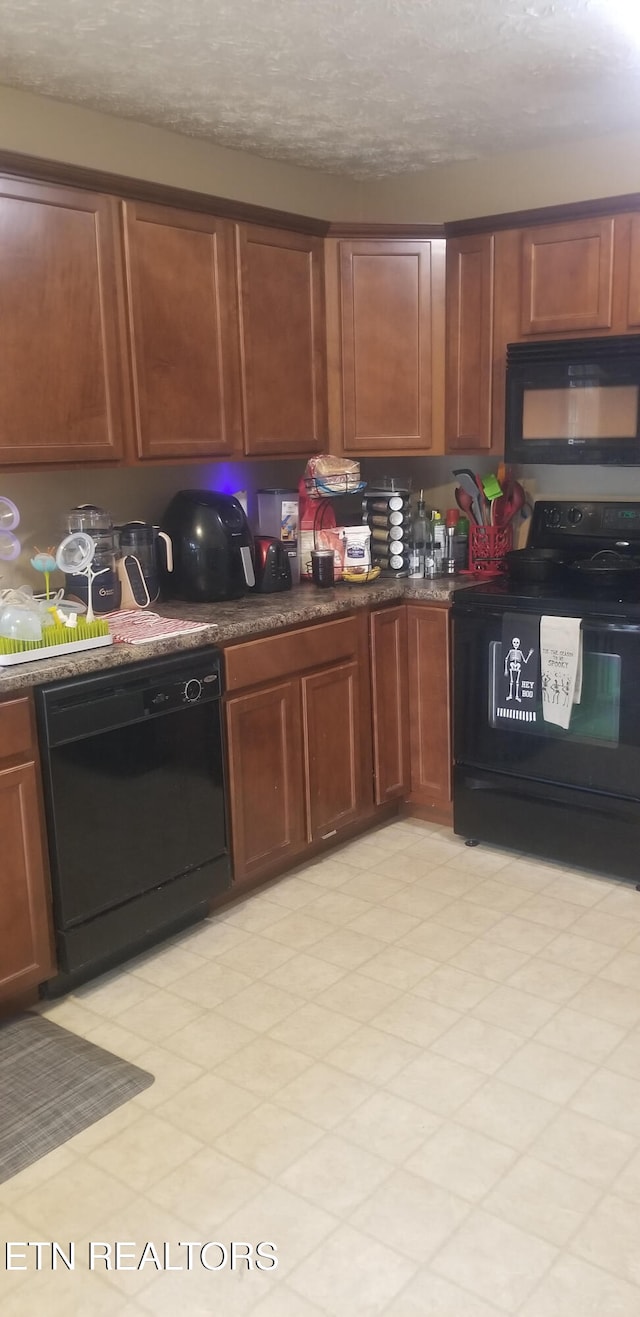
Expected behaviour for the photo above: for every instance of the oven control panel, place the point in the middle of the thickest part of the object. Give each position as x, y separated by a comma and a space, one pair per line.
563, 519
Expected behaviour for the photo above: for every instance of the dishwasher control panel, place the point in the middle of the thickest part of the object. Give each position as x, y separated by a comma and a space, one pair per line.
185, 690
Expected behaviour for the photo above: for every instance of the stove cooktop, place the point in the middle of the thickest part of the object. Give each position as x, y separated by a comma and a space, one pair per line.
560, 598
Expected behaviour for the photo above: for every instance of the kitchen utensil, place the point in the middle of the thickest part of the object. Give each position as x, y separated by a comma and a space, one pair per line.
465, 503
607, 568
506, 508
535, 565
74, 557
467, 482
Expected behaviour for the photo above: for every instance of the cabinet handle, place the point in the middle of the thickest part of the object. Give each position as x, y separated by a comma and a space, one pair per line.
333, 833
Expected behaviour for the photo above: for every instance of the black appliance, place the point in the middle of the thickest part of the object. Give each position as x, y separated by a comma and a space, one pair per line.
135, 804
520, 781
212, 547
574, 401
272, 566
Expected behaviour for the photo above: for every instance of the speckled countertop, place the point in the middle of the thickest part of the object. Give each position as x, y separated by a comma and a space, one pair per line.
239, 619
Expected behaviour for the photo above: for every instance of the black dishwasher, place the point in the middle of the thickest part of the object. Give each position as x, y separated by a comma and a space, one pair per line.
134, 791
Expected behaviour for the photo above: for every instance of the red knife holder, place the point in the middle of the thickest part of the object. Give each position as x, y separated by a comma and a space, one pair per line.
487, 548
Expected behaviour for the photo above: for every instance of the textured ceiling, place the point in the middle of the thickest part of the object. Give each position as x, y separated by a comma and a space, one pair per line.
365, 87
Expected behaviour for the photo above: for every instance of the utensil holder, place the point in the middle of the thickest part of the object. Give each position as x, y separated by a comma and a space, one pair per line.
487, 548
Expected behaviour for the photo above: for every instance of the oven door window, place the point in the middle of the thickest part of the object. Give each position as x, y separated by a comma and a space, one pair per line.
595, 720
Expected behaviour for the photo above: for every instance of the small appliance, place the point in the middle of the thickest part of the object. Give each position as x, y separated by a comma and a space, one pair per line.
89, 520
143, 547
212, 547
272, 566
278, 518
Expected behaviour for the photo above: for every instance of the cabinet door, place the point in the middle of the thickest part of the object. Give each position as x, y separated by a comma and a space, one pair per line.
469, 343
62, 390
26, 952
633, 305
390, 703
336, 749
183, 328
266, 779
567, 276
283, 356
392, 330
429, 705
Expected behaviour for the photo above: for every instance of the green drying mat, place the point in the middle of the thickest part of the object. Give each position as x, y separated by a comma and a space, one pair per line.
55, 640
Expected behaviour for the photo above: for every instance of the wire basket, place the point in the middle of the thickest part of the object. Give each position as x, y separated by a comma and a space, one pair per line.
333, 486
488, 546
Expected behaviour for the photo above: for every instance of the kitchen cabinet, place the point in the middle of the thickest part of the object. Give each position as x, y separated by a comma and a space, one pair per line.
26, 944
390, 703
386, 311
429, 663
183, 331
299, 742
63, 388
469, 343
567, 276
282, 341
633, 294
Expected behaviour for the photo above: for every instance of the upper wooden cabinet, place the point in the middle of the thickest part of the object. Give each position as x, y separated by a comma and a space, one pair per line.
386, 344
62, 391
567, 276
633, 294
469, 341
282, 337
183, 328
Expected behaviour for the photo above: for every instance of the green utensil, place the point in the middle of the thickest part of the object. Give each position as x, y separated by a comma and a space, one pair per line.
491, 487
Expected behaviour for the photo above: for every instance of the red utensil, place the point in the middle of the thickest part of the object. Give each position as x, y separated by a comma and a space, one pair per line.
508, 507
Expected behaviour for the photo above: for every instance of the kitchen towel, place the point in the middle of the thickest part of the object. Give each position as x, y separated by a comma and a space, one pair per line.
517, 674
561, 667
133, 626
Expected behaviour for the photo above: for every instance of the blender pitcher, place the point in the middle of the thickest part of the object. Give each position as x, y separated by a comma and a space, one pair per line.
138, 569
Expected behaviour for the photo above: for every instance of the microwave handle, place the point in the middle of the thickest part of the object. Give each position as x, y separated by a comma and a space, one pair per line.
247, 566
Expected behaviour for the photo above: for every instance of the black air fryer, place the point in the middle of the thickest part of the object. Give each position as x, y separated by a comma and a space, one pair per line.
212, 547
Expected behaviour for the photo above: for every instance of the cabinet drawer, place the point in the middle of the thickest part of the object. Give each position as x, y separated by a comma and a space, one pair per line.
16, 737
272, 657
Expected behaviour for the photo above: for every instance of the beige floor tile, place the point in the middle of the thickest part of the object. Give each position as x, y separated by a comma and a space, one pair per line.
419, 900
358, 996
581, 1035
495, 1260
295, 1226
268, 1139
467, 917
313, 1029
578, 888
436, 1083
625, 1060
613, 1099
547, 909
284, 1302
147, 1150
601, 927
347, 949
305, 975
622, 901
324, 1094
398, 967
476, 1043
451, 881
74, 1292
198, 1293
480, 860
162, 968
542, 1199
546, 1072
337, 907
357, 855
253, 915
208, 1106
384, 923
352, 1274
171, 1074
623, 969
609, 1001
609, 1238
432, 1296
293, 892
505, 1113
334, 870
575, 1289
210, 984
261, 1006
389, 1126
627, 1184
264, 1067
461, 1160
212, 938
585, 1147
206, 1188
372, 886
140, 1221
410, 1215
415, 1019
529, 874
437, 850
298, 930
82, 1144
72, 1014
454, 988
435, 941
511, 1008
161, 1015
495, 894
578, 952
489, 960
372, 1055
544, 979
335, 1175
110, 995
520, 934
209, 1039
76, 1202
256, 956
115, 1038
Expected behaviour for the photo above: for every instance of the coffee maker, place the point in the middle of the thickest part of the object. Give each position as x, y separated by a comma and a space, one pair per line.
212, 547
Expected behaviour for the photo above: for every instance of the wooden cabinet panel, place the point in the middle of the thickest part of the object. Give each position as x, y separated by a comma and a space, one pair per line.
332, 732
469, 343
62, 388
283, 357
255, 661
429, 705
267, 799
567, 276
633, 302
183, 327
392, 336
26, 956
390, 703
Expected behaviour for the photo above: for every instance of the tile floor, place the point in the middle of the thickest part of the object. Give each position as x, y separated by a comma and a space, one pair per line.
413, 1066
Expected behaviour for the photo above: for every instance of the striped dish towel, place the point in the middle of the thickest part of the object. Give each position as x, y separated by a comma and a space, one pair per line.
136, 626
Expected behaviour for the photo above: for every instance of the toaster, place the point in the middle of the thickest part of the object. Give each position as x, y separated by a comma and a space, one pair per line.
272, 566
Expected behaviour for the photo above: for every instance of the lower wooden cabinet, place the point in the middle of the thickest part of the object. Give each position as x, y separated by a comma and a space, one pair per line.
429, 661
26, 945
299, 747
390, 703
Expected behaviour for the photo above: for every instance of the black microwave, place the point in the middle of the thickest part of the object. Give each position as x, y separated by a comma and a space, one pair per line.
574, 401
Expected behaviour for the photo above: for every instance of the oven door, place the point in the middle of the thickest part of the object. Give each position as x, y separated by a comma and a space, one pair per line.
600, 750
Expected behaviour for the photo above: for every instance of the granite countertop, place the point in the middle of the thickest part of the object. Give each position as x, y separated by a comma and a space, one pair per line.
238, 619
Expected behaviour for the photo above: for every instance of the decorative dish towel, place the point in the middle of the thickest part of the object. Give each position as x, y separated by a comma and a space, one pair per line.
561, 667
136, 626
